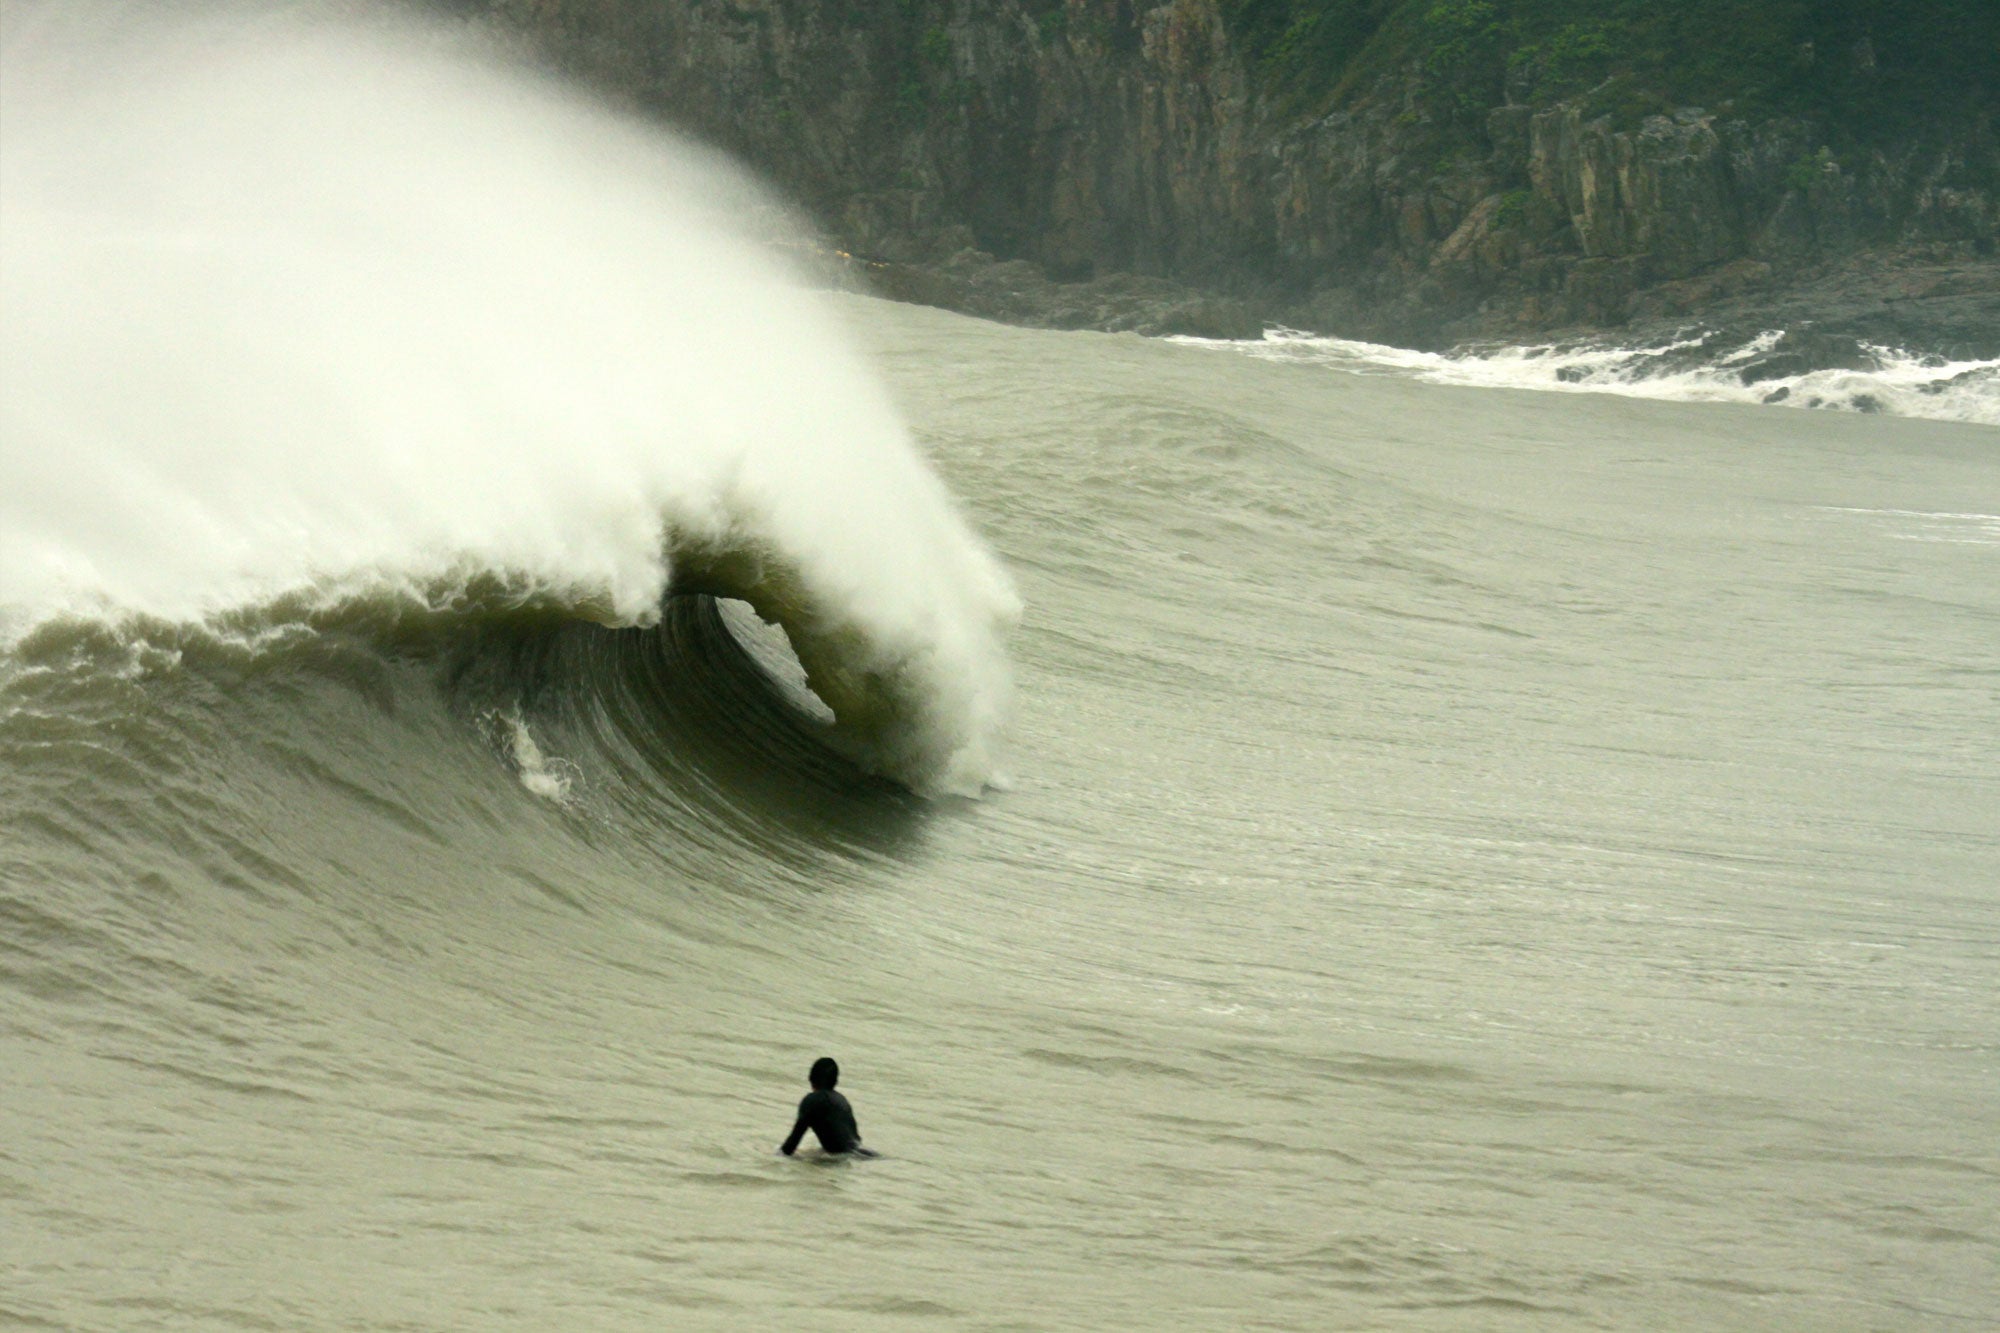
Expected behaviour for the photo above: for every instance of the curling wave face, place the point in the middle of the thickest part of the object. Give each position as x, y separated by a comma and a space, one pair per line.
310, 314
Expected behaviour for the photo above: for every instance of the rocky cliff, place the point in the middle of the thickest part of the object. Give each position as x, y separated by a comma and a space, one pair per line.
1139, 168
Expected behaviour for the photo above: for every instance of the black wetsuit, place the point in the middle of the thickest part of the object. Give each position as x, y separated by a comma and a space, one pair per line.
827, 1114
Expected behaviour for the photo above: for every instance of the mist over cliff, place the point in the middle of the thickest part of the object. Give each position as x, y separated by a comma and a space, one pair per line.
1414, 170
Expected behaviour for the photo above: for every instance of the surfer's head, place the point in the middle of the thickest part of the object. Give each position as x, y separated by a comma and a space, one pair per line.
825, 1073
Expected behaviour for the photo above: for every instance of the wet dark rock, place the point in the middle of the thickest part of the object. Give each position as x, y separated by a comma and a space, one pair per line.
1018, 292
1942, 300
1800, 352
1960, 380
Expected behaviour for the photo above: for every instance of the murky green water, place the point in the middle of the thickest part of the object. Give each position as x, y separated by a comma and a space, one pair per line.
1472, 859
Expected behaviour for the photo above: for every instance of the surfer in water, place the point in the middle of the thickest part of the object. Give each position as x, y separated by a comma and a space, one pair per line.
826, 1113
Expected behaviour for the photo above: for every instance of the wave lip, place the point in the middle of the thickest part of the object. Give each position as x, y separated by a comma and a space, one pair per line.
323, 313
1695, 366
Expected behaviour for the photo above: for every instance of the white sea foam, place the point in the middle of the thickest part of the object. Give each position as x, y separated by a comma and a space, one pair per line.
304, 305
1902, 383
546, 777
1923, 525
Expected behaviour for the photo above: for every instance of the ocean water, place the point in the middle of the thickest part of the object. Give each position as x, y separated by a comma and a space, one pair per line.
499, 677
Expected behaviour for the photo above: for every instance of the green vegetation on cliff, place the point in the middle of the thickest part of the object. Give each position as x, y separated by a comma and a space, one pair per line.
1864, 68
1491, 167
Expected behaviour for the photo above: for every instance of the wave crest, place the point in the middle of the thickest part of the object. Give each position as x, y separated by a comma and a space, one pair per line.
320, 319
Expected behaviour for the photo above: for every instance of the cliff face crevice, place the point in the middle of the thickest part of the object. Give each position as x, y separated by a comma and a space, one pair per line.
1105, 137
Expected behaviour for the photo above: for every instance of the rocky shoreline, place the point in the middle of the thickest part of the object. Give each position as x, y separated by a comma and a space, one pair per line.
1124, 166
1932, 300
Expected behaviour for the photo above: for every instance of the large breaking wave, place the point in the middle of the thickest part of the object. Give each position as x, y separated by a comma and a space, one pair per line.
322, 320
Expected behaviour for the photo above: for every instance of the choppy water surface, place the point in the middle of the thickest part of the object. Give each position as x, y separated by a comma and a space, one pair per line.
1461, 857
